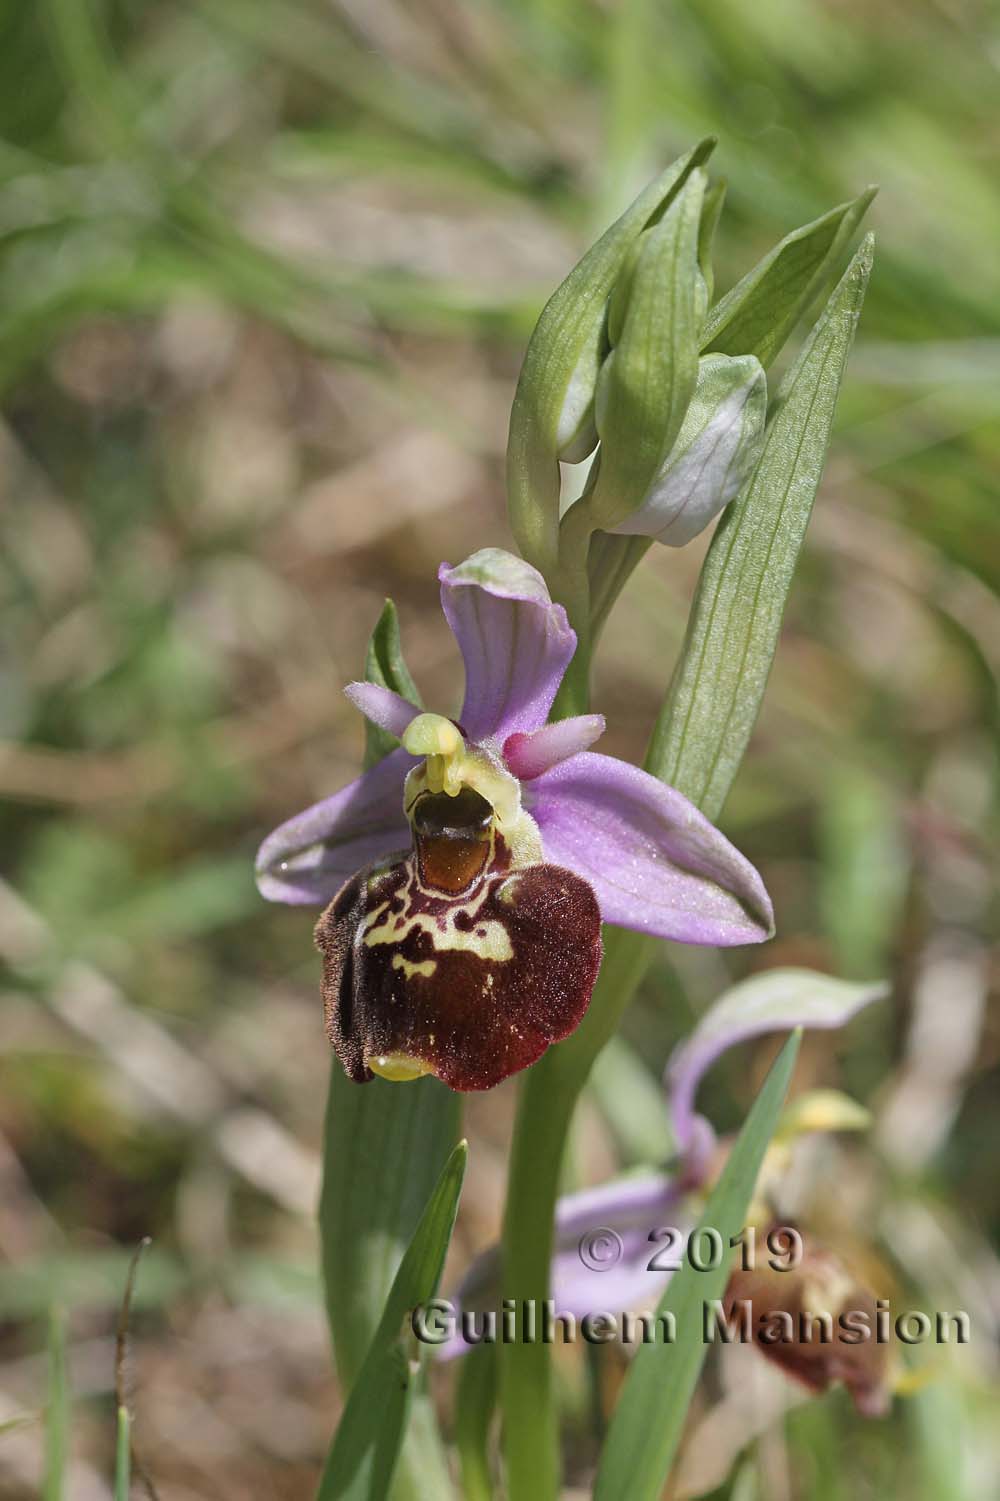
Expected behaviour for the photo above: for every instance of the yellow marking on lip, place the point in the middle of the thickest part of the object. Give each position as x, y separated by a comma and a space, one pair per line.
494, 943
399, 1067
425, 967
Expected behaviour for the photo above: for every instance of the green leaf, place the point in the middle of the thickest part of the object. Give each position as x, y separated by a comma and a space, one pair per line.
57, 1412
716, 691
123, 1457
366, 1445
758, 314
648, 379
384, 1147
561, 365
648, 1421
940, 1429
385, 665
474, 1407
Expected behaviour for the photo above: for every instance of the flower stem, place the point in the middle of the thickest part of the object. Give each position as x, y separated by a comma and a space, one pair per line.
530, 1428
549, 1093
570, 585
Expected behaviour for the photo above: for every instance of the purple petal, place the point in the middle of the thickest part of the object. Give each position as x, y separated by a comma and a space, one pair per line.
604, 1245
602, 1256
390, 711
516, 644
771, 1002
698, 1148
310, 857
529, 755
655, 862
626, 1202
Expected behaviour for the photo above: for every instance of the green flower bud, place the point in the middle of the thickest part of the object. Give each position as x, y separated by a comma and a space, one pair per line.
552, 415
576, 432
716, 449
649, 378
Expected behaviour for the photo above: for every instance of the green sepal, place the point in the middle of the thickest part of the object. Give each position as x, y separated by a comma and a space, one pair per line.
716, 691
711, 212
714, 453
385, 665
647, 380
758, 314
366, 1445
562, 362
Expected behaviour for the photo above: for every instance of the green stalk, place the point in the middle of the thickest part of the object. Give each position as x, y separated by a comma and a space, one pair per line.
739, 602
57, 1411
570, 585
123, 1456
549, 1093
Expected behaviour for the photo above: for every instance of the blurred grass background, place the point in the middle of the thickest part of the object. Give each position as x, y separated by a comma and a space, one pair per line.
266, 274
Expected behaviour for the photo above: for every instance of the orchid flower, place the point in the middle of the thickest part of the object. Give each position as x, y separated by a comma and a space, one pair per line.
605, 1236
467, 874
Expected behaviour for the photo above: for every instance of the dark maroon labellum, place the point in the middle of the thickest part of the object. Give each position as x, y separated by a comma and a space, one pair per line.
818, 1354
448, 958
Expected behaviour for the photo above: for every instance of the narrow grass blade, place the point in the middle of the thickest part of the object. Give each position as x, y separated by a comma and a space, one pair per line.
474, 1407
648, 1421
123, 1456
367, 1442
57, 1412
123, 1449
716, 691
630, 1098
